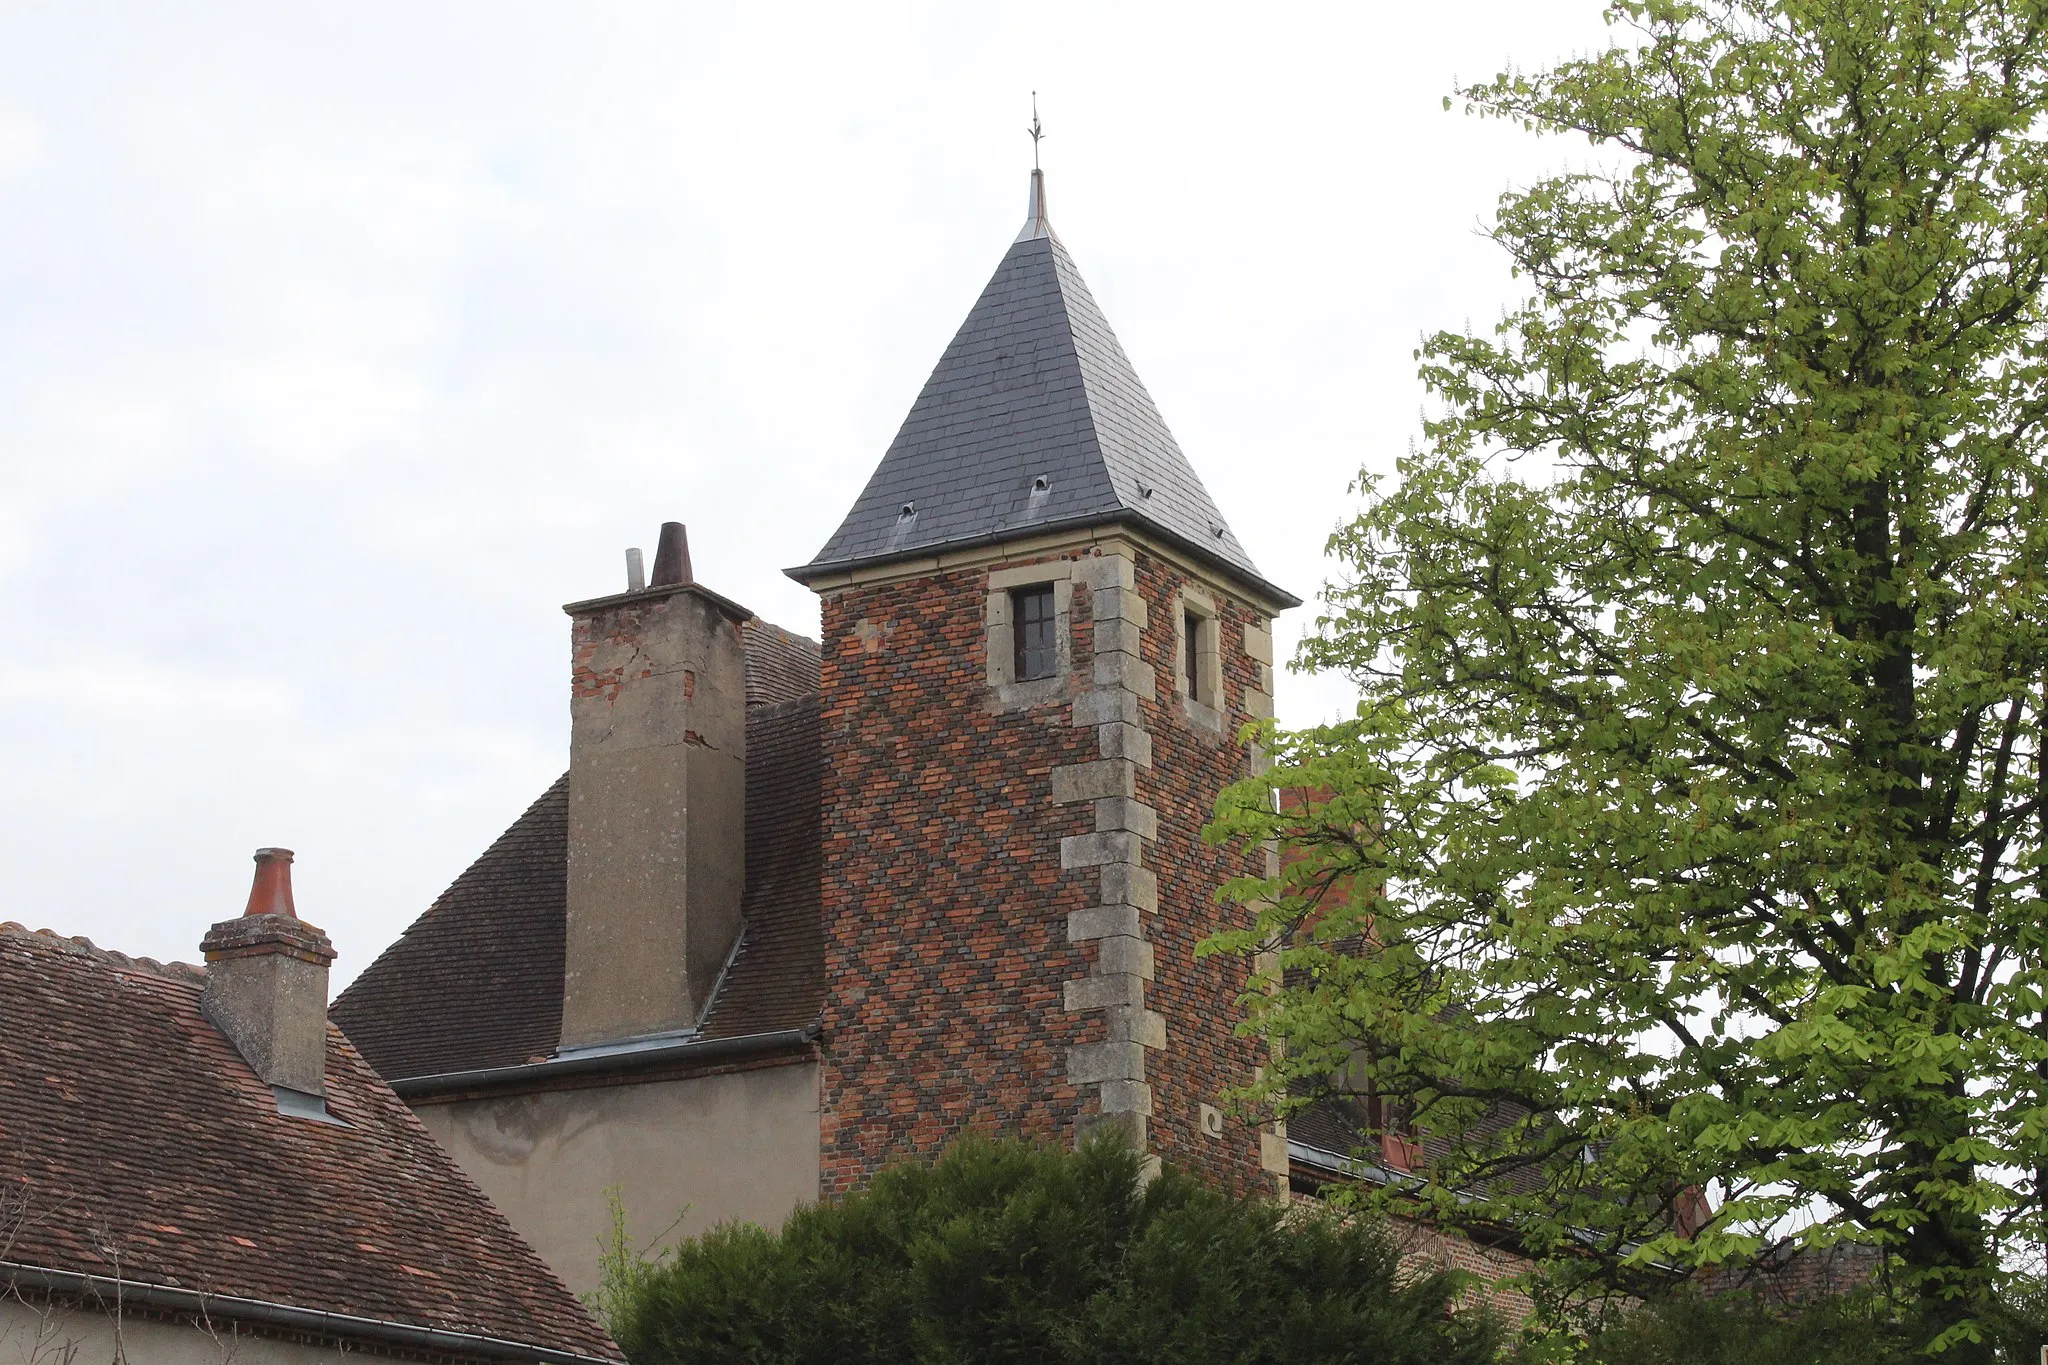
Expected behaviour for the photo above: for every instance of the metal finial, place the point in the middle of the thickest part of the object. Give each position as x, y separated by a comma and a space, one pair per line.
1035, 131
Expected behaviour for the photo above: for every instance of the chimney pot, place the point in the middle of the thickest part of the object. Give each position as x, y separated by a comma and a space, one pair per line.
636, 570
271, 893
672, 557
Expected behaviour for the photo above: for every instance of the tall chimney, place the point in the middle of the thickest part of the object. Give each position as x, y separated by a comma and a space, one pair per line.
657, 803
266, 982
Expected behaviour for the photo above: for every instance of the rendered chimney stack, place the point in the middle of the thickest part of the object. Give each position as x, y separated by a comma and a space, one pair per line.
657, 803
266, 982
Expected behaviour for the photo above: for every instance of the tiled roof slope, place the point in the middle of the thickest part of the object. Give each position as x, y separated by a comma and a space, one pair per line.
781, 665
1034, 385
777, 980
138, 1135
476, 981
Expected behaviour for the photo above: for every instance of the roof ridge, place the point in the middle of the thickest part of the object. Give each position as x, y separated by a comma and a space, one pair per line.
763, 623
82, 946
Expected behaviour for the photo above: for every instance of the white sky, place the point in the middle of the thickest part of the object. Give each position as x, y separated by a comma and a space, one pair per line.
341, 344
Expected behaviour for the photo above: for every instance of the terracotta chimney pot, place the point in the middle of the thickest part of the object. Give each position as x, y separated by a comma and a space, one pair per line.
272, 892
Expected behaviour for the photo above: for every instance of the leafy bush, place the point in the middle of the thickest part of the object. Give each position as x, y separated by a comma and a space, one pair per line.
1689, 1329
1005, 1251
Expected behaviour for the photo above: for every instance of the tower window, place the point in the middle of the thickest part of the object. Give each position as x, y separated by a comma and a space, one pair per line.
1191, 663
1032, 623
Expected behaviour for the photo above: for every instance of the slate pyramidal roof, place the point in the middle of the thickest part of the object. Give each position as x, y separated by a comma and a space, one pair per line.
1033, 421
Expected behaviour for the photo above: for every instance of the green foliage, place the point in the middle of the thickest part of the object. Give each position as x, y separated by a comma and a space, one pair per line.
1701, 646
1691, 1330
622, 1269
1861, 1329
1011, 1252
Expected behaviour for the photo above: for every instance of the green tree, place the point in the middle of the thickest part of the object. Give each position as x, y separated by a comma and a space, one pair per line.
1739, 1329
1011, 1252
1693, 812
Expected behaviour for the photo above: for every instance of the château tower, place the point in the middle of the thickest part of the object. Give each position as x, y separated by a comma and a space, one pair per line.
1040, 639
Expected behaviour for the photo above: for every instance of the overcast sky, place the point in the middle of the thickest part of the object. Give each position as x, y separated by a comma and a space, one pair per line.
341, 344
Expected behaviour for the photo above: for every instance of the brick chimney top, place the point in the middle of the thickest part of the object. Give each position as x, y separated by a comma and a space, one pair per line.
266, 983
271, 924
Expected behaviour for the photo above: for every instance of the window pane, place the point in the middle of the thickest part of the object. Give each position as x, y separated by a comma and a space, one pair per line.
1191, 632
1033, 623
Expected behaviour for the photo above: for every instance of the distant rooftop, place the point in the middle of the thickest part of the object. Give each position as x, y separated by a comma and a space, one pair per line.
140, 1148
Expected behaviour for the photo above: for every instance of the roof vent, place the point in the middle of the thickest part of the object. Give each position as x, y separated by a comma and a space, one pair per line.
1144, 490
1040, 484
909, 510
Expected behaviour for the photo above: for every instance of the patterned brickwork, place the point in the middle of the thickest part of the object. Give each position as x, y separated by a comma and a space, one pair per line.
1014, 876
943, 902
1192, 761
1493, 1271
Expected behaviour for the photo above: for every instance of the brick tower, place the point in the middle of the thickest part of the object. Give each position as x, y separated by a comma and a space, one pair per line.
1040, 639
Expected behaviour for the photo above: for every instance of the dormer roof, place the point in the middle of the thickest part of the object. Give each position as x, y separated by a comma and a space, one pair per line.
1033, 421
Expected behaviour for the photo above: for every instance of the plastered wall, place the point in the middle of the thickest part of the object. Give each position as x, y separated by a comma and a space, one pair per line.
43, 1334
685, 1154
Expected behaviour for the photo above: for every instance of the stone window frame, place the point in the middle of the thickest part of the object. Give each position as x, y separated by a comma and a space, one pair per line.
1006, 692
1205, 716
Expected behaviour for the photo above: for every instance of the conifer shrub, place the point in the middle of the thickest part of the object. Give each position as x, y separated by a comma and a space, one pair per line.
1010, 1252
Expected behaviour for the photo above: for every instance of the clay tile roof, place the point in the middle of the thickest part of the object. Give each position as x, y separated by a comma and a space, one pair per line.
476, 981
777, 979
134, 1140
781, 665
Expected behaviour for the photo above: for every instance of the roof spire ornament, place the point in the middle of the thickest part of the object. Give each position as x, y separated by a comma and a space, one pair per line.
1035, 222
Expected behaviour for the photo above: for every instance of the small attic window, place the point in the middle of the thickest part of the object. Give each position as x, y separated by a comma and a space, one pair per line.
1033, 622
1198, 659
